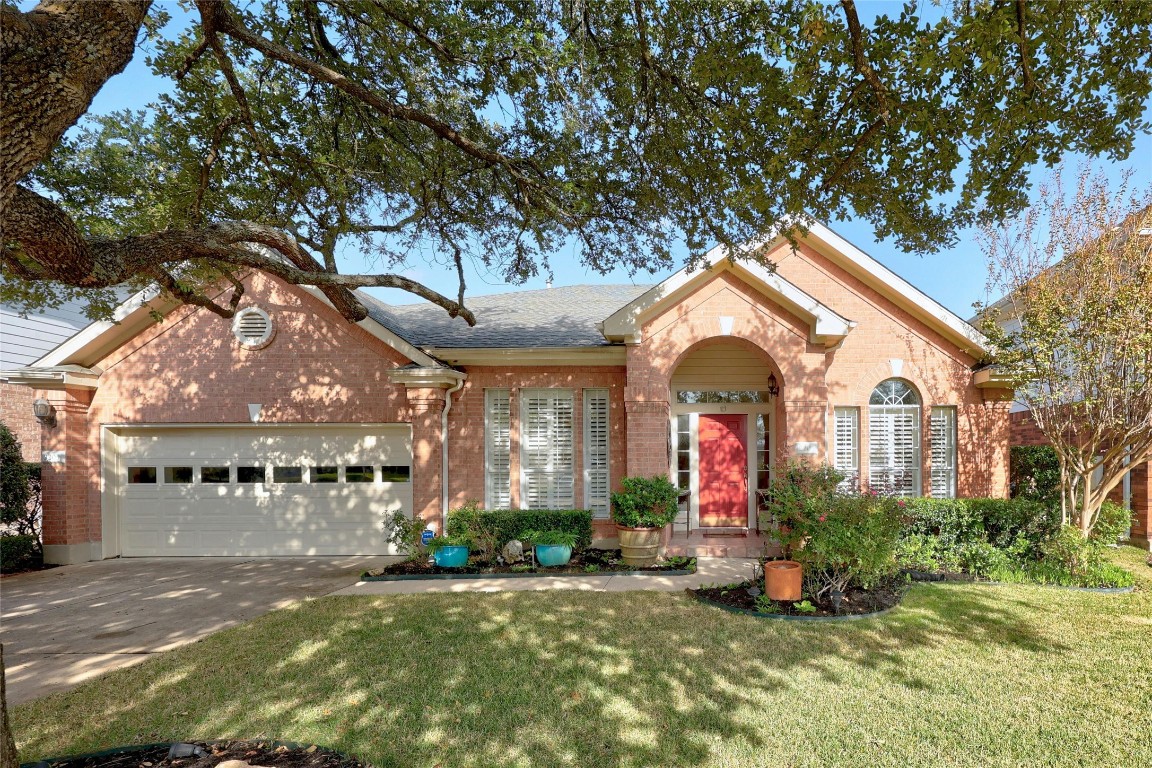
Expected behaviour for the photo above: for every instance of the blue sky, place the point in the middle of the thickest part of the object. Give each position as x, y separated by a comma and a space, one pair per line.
955, 277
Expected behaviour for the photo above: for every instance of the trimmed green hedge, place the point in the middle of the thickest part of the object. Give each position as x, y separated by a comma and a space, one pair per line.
503, 525
1035, 473
18, 553
1000, 522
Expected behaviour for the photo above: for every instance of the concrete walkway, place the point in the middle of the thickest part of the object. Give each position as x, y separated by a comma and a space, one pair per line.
709, 570
65, 625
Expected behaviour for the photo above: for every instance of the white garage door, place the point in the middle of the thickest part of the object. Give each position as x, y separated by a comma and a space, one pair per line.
260, 490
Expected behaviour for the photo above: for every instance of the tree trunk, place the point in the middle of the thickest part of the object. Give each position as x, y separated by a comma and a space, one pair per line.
7, 743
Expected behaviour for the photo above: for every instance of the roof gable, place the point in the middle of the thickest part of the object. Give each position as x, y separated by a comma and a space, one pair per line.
826, 326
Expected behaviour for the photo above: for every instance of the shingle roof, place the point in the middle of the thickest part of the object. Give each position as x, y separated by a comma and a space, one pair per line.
550, 317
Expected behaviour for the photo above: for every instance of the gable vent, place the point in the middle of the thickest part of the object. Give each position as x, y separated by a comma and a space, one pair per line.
252, 327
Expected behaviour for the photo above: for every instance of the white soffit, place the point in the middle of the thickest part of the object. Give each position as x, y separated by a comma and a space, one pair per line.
827, 326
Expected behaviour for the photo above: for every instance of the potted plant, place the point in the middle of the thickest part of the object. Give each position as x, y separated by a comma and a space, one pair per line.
553, 547
641, 510
449, 551
783, 580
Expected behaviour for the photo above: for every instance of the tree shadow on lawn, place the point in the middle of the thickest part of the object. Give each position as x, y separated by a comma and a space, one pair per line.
557, 678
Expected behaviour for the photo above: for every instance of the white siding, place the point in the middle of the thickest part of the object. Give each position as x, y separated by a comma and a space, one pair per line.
722, 366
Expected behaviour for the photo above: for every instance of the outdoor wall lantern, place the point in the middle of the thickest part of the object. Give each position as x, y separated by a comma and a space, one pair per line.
44, 412
773, 386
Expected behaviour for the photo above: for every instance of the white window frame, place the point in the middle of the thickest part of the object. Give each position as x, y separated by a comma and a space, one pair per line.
497, 448
884, 422
597, 451
846, 445
559, 466
942, 433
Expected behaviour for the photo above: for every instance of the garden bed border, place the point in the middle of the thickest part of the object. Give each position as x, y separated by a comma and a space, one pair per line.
528, 575
978, 582
47, 762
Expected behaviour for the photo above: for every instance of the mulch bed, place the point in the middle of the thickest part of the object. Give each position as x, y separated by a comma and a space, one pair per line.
590, 561
856, 601
200, 754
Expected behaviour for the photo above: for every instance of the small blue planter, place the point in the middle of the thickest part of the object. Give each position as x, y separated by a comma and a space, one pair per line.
551, 555
451, 557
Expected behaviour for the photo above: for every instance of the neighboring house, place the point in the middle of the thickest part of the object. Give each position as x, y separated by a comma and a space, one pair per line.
23, 340
292, 432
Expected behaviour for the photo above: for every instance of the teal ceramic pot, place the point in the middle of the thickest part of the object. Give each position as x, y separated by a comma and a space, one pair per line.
551, 555
450, 557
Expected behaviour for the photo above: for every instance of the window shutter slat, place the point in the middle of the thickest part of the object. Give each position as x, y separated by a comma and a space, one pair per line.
596, 451
846, 447
498, 449
942, 432
547, 449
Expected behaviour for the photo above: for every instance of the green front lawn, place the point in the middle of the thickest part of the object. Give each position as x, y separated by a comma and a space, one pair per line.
960, 675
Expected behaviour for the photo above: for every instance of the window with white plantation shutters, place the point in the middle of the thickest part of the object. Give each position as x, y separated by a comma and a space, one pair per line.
942, 432
497, 449
596, 480
846, 446
547, 460
894, 439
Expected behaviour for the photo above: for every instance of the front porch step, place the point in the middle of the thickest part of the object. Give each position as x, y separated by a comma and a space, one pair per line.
733, 549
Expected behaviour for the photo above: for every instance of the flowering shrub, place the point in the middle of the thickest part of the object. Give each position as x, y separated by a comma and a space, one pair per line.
846, 539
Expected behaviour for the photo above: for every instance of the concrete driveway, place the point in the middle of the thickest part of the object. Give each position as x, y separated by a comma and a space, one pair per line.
62, 626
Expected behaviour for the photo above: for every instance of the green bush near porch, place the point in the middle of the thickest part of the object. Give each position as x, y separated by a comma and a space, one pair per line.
495, 528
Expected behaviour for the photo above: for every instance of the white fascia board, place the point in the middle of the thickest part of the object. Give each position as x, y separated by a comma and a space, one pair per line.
987, 378
57, 377
601, 356
928, 308
408, 350
107, 332
827, 326
431, 376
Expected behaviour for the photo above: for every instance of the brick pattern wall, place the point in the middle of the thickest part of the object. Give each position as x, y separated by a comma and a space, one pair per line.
16, 414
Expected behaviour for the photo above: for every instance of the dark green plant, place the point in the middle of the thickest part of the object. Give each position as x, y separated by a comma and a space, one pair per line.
846, 539
552, 538
793, 485
764, 604
406, 534
1112, 524
439, 542
591, 568
14, 479
19, 553
645, 502
495, 528
804, 606
1035, 474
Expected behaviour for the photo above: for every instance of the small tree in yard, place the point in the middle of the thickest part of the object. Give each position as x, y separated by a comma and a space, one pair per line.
1074, 333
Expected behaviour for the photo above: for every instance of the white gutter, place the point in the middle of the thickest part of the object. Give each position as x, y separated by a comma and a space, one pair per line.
444, 452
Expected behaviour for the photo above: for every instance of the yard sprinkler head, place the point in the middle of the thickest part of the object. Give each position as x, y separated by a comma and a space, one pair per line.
837, 598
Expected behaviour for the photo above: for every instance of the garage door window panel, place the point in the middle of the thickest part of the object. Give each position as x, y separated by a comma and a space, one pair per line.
287, 474
142, 475
359, 473
178, 475
325, 474
215, 475
395, 474
249, 475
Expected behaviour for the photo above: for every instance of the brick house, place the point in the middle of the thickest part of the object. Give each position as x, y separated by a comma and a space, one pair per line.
290, 431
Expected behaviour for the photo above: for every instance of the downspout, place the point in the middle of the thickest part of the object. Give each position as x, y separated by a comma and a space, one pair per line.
444, 454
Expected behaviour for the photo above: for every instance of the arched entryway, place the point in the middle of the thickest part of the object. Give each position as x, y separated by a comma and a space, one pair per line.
723, 397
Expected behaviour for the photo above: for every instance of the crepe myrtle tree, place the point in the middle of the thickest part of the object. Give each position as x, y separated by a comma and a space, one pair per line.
1074, 333
504, 132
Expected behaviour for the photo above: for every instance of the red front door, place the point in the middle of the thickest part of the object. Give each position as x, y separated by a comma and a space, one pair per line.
723, 463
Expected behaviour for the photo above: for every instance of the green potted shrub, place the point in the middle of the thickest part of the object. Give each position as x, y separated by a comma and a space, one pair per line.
641, 510
553, 547
450, 551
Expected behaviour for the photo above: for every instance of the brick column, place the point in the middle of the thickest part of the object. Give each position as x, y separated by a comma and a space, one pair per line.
648, 437
72, 522
1141, 485
803, 423
425, 406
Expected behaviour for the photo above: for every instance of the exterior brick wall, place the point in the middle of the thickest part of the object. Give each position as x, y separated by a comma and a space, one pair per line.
16, 414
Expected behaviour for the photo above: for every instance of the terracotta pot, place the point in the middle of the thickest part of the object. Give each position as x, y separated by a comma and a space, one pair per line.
783, 579
639, 546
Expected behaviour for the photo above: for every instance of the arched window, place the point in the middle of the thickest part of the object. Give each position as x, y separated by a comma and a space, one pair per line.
894, 439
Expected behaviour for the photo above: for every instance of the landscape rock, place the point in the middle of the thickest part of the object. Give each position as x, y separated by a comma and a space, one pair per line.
513, 551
